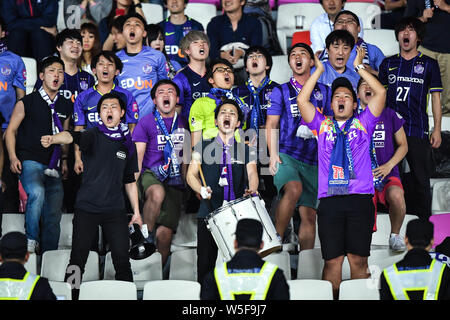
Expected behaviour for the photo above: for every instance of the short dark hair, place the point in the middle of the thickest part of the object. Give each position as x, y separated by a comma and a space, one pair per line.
234, 103
117, 23
349, 13
153, 31
337, 36
185, 2
2, 24
210, 68
413, 22
67, 34
48, 61
137, 16
264, 52
13, 245
112, 95
301, 45
161, 82
343, 1
110, 56
420, 232
342, 82
249, 233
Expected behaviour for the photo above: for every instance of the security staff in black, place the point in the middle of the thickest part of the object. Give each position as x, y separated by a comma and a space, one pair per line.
417, 276
246, 276
16, 283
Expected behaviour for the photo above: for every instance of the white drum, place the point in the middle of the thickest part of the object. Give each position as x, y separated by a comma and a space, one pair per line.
222, 224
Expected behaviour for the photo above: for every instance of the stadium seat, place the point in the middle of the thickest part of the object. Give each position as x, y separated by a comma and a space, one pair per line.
441, 227
310, 265
380, 259
380, 238
144, 270
301, 36
62, 290
286, 19
31, 67
65, 237
186, 235
202, 12
282, 260
214, 2
441, 197
183, 265
308, 289
358, 289
365, 11
60, 23
171, 290
13, 222
55, 262
32, 264
384, 39
281, 2
153, 12
281, 72
108, 290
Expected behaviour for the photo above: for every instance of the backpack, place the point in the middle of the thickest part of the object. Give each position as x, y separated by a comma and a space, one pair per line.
269, 32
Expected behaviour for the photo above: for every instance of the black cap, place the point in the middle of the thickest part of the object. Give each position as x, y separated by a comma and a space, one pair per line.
420, 232
342, 82
13, 245
249, 233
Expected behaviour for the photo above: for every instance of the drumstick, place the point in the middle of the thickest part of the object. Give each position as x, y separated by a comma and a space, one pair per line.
197, 157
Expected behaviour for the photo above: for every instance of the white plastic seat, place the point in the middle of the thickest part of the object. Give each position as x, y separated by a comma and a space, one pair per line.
308, 289
310, 265
282, 260
31, 67
380, 238
31, 265
108, 290
55, 262
172, 290
202, 12
186, 235
380, 259
365, 11
183, 265
144, 270
13, 222
441, 197
62, 290
281, 72
358, 289
384, 39
153, 12
65, 237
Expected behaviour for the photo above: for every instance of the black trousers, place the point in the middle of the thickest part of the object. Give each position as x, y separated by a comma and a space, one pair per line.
416, 183
206, 251
115, 229
37, 44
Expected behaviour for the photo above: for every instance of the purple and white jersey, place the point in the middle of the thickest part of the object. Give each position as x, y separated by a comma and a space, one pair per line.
85, 107
383, 138
283, 103
140, 72
359, 135
192, 86
147, 131
408, 83
12, 74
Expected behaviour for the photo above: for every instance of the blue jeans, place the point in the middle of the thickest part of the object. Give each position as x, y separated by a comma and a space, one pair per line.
45, 196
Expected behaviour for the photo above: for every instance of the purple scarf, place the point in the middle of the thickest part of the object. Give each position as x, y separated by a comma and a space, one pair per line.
119, 133
226, 174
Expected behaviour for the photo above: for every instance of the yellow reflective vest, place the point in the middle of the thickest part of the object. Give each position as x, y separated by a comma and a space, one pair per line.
18, 289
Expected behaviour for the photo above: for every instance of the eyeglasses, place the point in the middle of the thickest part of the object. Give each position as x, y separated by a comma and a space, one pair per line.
223, 70
255, 56
345, 21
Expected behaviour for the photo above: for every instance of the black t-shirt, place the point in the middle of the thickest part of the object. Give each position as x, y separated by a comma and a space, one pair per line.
107, 167
37, 123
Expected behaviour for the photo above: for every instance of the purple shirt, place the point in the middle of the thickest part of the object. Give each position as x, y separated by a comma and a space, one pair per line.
383, 137
359, 134
148, 132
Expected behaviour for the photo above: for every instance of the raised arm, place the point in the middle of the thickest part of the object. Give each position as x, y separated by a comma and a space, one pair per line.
60, 138
307, 109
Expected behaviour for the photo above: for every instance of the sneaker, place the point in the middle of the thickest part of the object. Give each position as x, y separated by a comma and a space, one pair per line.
32, 246
397, 243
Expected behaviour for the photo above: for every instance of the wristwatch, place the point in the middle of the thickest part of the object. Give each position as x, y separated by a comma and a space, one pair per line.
359, 67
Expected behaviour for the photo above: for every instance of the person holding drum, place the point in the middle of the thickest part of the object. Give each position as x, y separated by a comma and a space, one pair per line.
293, 153
346, 187
246, 272
219, 172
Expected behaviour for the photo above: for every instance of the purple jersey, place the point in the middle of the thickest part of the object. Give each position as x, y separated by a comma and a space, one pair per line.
147, 131
359, 136
383, 138
192, 86
85, 107
283, 103
12, 74
140, 72
408, 83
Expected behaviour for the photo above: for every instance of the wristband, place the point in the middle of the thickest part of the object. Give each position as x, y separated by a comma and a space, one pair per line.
139, 5
359, 67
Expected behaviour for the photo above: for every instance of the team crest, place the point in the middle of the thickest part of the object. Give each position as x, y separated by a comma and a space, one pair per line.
147, 69
418, 68
83, 85
318, 95
6, 70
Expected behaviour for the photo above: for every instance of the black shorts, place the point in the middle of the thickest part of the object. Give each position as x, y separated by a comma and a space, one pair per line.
345, 225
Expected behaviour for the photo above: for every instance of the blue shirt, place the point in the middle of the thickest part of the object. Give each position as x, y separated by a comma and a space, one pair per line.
330, 74
174, 33
140, 72
12, 74
192, 86
408, 83
85, 107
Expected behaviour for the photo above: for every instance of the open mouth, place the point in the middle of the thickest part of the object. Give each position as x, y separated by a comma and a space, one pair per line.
166, 103
406, 41
132, 35
202, 51
109, 118
255, 65
298, 64
340, 60
227, 79
55, 82
226, 124
341, 107
368, 94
